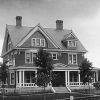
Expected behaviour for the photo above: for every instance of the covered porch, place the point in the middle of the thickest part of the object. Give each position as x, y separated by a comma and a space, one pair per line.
25, 78
72, 78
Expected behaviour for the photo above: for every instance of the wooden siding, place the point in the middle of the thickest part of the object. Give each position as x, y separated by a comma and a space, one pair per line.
20, 58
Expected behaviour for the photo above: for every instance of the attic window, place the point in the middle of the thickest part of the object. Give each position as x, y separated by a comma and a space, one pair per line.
71, 43
37, 42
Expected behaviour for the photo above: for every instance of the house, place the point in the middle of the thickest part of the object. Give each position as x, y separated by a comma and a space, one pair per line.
21, 43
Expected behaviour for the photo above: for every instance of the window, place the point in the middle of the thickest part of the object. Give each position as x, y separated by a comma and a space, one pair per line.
72, 43
28, 57
54, 56
9, 45
42, 42
34, 56
72, 58
12, 78
38, 42
33, 42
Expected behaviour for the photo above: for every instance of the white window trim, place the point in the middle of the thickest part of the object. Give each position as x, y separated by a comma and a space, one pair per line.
35, 42
72, 58
71, 41
10, 78
25, 58
56, 55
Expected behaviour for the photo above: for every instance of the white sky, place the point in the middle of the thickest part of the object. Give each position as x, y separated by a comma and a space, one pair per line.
82, 16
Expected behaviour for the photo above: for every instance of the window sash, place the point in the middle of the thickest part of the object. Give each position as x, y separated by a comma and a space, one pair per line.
28, 57
12, 78
72, 59
54, 56
72, 43
42, 42
38, 42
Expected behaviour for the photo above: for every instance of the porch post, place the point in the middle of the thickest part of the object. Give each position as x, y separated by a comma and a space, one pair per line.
35, 75
23, 78
97, 75
20, 78
79, 77
94, 77
66, 78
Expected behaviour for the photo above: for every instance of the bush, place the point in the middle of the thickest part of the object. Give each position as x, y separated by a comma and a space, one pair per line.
97, 85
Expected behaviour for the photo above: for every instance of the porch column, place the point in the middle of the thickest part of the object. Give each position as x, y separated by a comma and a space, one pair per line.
97, 75
66, 78
79, 77
20, 78
94, 77
23, 78
16, 78
35, 75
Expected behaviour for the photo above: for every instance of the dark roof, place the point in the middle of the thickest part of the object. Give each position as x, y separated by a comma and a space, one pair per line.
18, 33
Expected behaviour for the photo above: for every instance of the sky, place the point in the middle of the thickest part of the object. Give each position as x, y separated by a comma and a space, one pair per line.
82, 16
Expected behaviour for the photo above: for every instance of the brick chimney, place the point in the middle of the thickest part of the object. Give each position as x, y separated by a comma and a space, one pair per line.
59, 24
19, 21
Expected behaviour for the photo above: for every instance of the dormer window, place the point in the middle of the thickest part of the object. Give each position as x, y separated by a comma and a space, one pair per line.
37, 42
71, 43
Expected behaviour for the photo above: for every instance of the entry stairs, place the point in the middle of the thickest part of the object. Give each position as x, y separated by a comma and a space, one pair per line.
61, 89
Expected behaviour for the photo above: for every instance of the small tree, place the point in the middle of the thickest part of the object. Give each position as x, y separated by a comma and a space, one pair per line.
44, 72
3, 75
86, 71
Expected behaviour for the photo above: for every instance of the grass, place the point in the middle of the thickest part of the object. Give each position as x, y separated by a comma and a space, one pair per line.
49, 96
88, 91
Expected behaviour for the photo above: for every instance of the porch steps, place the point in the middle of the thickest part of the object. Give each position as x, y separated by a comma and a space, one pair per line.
61, 89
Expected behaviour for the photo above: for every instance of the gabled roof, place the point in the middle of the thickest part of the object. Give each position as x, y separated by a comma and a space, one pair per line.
17, 34
58, 35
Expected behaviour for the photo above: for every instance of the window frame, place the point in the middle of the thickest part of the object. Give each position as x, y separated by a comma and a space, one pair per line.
9, 45
11, 78
55, 56
40, 42
72, 54
26, 57
72, 42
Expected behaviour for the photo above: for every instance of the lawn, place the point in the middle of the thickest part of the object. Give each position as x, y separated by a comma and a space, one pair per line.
49, 96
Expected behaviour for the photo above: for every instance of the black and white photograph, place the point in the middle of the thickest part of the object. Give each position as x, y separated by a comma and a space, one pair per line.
49, 49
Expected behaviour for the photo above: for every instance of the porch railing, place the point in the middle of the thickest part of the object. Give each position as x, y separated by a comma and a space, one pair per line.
26, 85
76, 83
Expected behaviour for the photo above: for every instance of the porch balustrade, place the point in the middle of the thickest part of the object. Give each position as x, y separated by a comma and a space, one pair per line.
27, 85
76, 83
